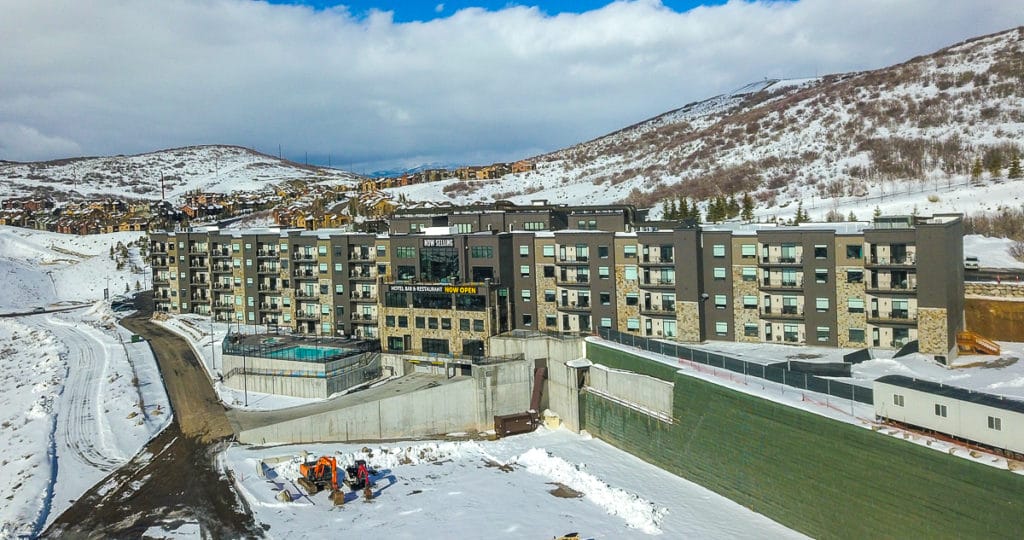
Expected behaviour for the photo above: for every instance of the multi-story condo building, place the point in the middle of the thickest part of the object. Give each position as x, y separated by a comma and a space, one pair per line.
443, 281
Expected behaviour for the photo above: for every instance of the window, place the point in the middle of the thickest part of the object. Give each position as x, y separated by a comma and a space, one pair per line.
995, 423
854, 251
478, 325
549, 295
790, 333
382, 251
481, 252
821, 275
820, 252
823, 333
526, 295
719, 273
602, 252
389, 321
432, 323
857, 335
854, 276
748, 251
940, 410
749, 273
403, 321
606, 298
602, 272
750, 302
632, 323
527, 319
629, 252
524, 251
897, 400
248, 262
670, 328
464, 227
337, 267
632, 299
750, 329
524, 270
549, 271
718, 250
606, 322
721, 328
629, 273
550, 320
235, 247
855, 305
720, 301
548, 251
534, 226
464, 325
321, 250
438, 346
821, 304
421, 322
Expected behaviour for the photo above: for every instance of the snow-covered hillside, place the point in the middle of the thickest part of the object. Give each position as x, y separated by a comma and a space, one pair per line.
77, 397
217, 169
841, 142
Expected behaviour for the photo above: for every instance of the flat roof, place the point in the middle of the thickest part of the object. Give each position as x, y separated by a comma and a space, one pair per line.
955, 392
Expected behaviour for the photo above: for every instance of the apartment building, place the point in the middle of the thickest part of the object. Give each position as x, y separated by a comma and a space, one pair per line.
443, 281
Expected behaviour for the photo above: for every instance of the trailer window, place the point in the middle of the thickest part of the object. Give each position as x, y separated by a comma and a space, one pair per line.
897, 400
995, 423
940, 410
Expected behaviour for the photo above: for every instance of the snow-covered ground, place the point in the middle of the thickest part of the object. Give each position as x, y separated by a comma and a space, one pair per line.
77, 397
493, 489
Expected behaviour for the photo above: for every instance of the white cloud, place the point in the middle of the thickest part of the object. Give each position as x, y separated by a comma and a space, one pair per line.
439, 8
25, 143
124, 77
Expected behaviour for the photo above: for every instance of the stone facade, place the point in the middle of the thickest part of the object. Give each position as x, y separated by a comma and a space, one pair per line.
688, 321
932, 333
845, 320
744, 315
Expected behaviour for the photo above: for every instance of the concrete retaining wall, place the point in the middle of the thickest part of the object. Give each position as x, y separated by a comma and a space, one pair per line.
443, 409
647, 392
561, 390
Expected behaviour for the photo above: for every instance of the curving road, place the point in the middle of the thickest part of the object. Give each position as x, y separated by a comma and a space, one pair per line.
176, 479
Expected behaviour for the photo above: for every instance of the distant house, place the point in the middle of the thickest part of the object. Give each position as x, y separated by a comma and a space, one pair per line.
523, 166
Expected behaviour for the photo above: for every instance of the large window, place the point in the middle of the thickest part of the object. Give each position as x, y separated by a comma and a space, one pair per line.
749, 273
436, 346
548, 251
405, 252
432, 300
718, 273
721, 328
748, 251
855, 305
470, 302
856, 335
481, 252
439, 263
853, 251
720, 301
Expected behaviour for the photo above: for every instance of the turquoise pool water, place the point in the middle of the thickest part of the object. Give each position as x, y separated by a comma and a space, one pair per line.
304, 352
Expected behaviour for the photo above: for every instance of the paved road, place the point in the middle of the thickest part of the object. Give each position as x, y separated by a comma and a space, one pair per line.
175, 479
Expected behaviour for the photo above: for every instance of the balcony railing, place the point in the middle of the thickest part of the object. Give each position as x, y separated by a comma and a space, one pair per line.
907, 260
303, 273
307, 316
579, 259
658, 283
306, 295
268, 269
266, 253
303, 256
361, 256
899, 316
221, 268
781, 260
269, 287
785, 312
220, 253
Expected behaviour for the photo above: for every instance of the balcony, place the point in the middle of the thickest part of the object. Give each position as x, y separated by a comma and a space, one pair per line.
160, 280
220, 286
573, 281
307, 316
364, 318
160, 262
364, 297
222, 268
199, 264
306, 295
366, 275
899, 261
200, 299
268, 269
303, 256
222, 306
876, 288
268, 287
362, 256
303, 274
658, 283
220, 253
575, 306
785, 312
270, 307
783, 284
579, 259
781, 261
199, 283
158, 249
648, 260
266, 253
198, 249
662, 310
900, 317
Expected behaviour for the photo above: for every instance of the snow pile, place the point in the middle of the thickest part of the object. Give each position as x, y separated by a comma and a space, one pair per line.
634, 510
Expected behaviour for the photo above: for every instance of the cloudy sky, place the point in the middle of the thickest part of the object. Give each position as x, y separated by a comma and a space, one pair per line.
370, 86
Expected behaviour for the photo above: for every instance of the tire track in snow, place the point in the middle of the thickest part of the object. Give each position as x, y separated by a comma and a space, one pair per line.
81, 420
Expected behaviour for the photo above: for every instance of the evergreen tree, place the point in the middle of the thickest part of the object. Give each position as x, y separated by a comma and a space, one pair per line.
877, 212
111, 252
733, 207
748, 207
673, 209
126, 289
138, 286
851, 217
1014, 171
801, 216
976, 170
995, 168
684, 208
666, 211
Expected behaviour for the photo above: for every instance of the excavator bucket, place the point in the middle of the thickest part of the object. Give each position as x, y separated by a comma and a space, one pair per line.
338, 497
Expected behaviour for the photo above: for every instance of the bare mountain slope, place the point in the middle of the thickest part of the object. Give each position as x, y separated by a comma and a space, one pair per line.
218, 168
847, 135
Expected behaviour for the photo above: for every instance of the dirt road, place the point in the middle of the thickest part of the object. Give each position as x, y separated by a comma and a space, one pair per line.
175, 480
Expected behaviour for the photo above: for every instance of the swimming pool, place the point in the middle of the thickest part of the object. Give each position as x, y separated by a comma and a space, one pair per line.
305, 353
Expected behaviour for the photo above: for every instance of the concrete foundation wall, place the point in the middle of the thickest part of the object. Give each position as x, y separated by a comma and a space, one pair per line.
305, 387
533, 348
502, 389
561, 390
647, 392
443, 409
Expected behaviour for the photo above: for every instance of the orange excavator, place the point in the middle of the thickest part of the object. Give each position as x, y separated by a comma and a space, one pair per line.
319, 475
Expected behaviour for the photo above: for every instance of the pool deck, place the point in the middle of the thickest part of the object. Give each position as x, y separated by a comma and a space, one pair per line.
265, 345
